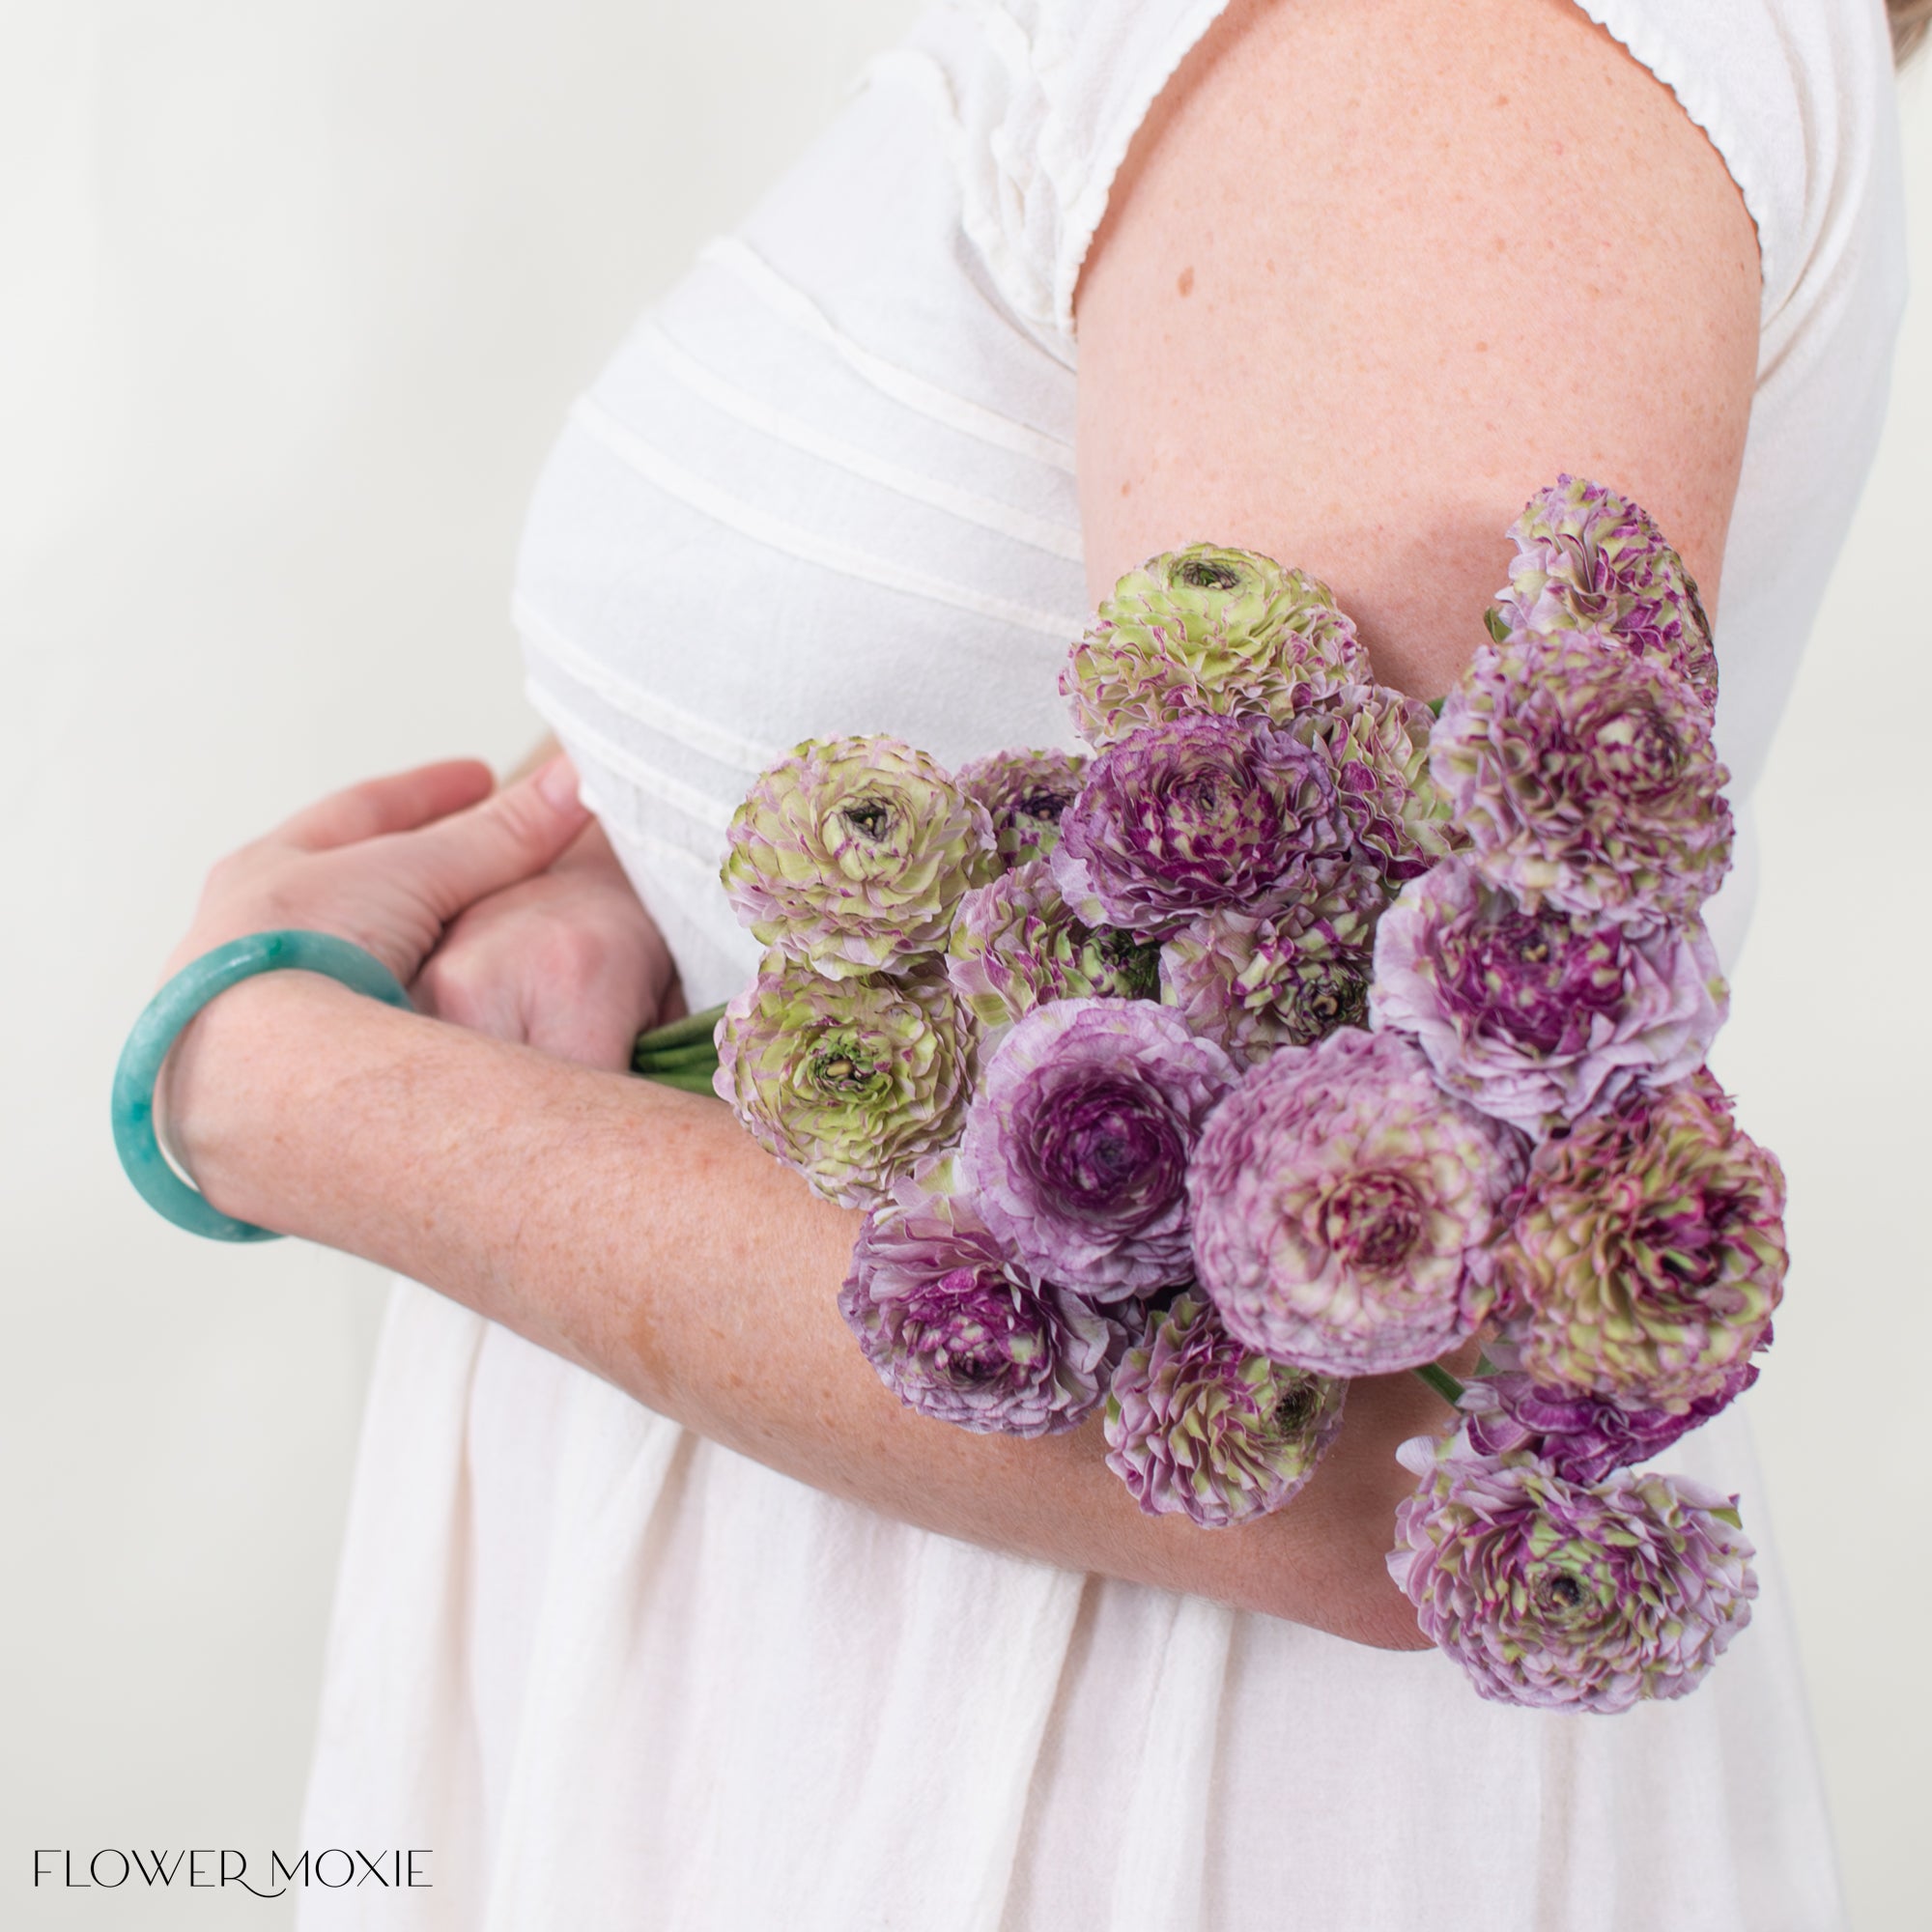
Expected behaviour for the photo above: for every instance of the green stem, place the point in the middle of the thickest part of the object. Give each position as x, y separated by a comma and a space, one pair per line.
682, 1054
692, 1028
686, 1079
1441, 1381
660, 1058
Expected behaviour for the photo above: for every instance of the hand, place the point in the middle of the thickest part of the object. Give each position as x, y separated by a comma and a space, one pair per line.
390, 862
568, 961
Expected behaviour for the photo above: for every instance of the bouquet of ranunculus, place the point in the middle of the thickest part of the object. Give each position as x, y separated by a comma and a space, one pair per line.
1298, 1032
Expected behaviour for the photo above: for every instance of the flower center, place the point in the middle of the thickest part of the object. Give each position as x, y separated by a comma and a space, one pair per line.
971, 1328
1327, 995
840, 1066
1640, 752
1105, 1151
1199, 798
1134, 968
1558, 1595
1296, 1399
1593, 581
871, 818
1199, 573
1374, 1221
1533, 977
1040, 807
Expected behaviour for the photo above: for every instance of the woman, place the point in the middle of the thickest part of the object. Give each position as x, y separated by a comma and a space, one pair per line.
656, 1608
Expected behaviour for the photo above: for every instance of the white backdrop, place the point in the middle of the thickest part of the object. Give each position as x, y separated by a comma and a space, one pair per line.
292, 298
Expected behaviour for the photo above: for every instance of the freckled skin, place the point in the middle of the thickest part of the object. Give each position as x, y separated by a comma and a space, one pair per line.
1414, 396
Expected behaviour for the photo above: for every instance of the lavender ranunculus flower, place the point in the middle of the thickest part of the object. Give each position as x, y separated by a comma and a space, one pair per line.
1015, 946
1255, 985
1378, 746
1537, 1017
1197, 1424
1647, 1254
1207, 630
1024, 793
1181, 818
853, 852
1587, 778
1590, 560
849, 1081
959, 1330
1341, 1203
1582, 1438
1566, 1595
1076, 1148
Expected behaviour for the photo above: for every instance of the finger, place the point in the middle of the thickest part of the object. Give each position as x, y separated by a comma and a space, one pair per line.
507, 839
399, 803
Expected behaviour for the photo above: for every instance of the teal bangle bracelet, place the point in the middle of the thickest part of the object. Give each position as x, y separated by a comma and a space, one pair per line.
170, 1010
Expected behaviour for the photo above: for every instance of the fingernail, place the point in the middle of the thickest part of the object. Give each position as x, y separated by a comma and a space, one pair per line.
556, 784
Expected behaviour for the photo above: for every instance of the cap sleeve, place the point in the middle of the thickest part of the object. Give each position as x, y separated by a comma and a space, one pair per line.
1795, 96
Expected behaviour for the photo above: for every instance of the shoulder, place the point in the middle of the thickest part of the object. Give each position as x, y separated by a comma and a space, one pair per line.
1369, 275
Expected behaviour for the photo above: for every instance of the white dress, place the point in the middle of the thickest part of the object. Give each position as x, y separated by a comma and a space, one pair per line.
611, 1675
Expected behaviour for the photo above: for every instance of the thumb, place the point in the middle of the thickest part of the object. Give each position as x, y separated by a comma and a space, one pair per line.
520, 832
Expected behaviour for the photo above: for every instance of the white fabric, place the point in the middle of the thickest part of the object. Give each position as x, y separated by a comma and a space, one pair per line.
617, 1676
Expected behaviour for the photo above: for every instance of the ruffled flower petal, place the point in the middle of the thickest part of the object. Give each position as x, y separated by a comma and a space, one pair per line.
961, 1331
1566, 1595
852, 854
849, 1081
1343, 1204
1198, 1426
1647, 1254
1207, 631
1539, 1017
1076, 1148
1587, 779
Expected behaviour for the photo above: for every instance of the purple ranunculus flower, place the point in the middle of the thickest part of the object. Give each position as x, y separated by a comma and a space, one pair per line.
1538, 1017
1255, 985
1582, 1438
1646, 1257
1378, 746
1585, 777
1590, 560
1206, 812
1198, 1425
959, 1330
1566, 1595
1016, 945
1076, 1148
1024, 793
1341, 1204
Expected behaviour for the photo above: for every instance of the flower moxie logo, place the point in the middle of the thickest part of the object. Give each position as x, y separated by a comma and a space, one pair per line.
334, 1869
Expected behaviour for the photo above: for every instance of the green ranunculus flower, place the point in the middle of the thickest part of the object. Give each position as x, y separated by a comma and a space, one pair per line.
852, 854
1213, 630
849, 1081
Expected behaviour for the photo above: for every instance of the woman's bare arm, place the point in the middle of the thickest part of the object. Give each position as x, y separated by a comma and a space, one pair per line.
640, 1233
1374, 272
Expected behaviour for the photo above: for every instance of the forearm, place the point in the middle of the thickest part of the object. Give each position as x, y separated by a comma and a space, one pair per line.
640, 1233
